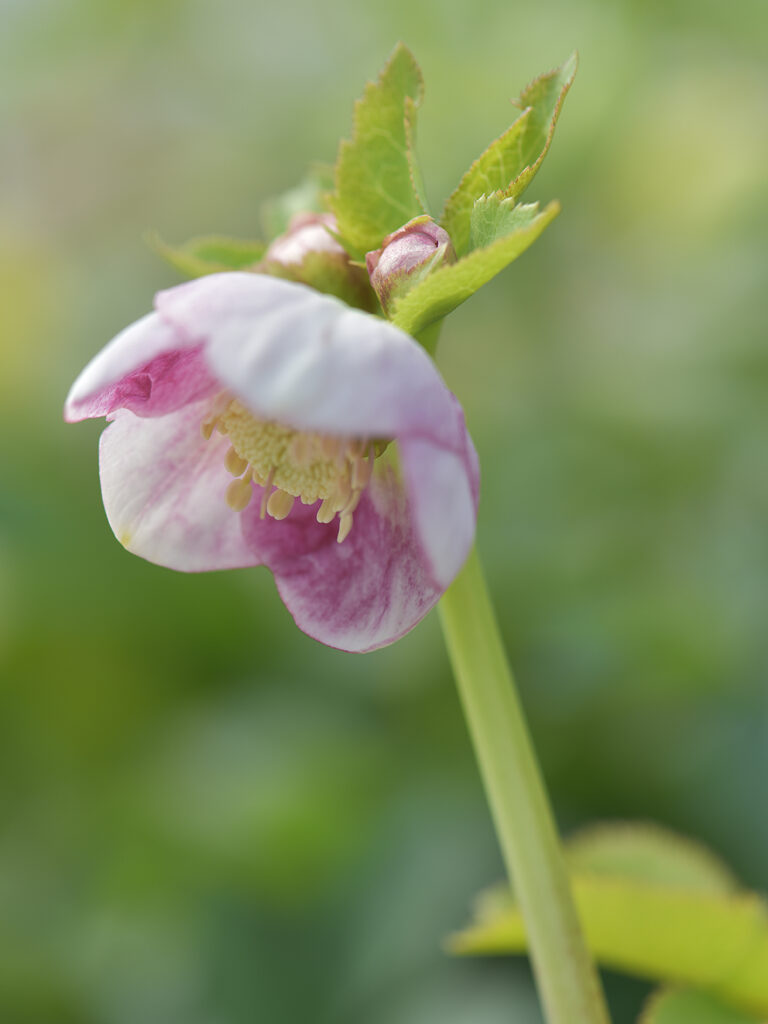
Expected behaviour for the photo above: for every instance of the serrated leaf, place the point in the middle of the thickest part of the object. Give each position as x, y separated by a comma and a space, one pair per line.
494, 218
309, 196
451, 285
509, 163
686, 1006
414, 168
329, 273
209, 254
650, 915
375, 194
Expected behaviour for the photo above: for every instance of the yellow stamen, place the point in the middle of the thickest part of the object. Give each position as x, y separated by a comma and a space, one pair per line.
352, 504
240, 492
265, 495
345, 525
329, 447
327, 511
361, 470
289, 464
280, 504
234, 464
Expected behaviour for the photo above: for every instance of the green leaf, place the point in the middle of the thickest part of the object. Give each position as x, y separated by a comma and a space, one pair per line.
685, 1006
414, 169
309, 196
494, 218
330, 273
210, 254
663, 910
449, 286
375, 193
509, 163
650, 853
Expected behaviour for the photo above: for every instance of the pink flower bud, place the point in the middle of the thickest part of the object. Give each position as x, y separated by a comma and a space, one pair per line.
306, 233
407, 256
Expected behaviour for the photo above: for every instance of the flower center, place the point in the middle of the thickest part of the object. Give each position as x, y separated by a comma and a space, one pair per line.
292, 464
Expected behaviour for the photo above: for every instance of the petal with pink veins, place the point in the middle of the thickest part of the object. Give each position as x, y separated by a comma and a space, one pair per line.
361, 594
305, 360
148, 368
164, 490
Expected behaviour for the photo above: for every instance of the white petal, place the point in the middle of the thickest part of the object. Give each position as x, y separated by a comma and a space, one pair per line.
164, 492
306, 359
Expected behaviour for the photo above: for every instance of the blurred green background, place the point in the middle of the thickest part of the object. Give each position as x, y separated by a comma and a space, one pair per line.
207, 818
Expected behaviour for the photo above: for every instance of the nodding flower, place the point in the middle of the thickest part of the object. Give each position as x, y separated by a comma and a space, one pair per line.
256, 421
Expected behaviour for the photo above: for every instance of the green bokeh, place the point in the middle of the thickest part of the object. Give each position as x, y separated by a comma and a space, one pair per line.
208, 818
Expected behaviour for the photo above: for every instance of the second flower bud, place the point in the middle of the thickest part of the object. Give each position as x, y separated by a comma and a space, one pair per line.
406, 257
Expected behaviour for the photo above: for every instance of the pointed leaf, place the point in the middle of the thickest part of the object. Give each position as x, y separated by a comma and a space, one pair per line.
374, 191
448, 287
662, 911
685, 1006
410, 148
494, 218
509, 163
210, 254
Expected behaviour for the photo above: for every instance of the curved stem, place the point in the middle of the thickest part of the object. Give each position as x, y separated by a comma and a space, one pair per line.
567, 980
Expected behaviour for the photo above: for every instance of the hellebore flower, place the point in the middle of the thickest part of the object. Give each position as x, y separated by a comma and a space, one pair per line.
407, 256
257, 421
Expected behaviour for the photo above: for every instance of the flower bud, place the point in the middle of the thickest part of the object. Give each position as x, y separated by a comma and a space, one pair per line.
306, 233
406, 257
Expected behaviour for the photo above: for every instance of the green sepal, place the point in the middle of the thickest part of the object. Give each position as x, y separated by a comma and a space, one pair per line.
510, 231
508, 165
653, 905
309, 196
687, 1006
209, 254
376, 175
330, 273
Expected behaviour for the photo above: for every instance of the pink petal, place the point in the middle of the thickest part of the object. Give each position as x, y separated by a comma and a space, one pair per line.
148, 368
443, 486
358, 595
164, 489
306, 233
306, 359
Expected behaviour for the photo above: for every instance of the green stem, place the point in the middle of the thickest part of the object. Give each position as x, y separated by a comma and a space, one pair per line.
568, 983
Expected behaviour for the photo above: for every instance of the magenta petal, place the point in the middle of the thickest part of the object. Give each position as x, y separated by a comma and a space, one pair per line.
148, 368
164, 492
358, 595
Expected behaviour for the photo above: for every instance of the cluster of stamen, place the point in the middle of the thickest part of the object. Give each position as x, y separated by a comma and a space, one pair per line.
290, 464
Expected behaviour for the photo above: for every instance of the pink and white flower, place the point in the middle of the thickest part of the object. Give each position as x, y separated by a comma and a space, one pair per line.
256, 421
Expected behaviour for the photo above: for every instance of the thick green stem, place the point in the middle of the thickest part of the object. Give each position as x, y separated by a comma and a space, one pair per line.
568, 983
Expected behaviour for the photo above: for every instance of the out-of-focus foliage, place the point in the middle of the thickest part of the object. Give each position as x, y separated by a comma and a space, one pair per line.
211, 254
206, 817
652, 904
680, 1006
